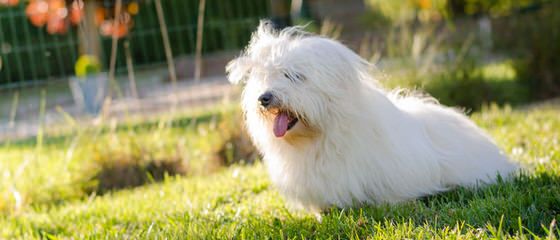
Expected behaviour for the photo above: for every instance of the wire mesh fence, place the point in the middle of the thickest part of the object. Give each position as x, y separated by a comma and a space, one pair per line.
29, 55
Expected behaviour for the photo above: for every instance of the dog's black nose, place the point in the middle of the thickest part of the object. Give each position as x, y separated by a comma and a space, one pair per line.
265, 99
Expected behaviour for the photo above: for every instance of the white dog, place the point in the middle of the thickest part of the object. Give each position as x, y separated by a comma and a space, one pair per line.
331, 137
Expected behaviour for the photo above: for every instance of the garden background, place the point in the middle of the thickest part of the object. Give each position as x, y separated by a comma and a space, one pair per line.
166, 156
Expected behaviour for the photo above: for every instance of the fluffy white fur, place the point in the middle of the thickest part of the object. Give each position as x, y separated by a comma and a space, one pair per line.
354, 142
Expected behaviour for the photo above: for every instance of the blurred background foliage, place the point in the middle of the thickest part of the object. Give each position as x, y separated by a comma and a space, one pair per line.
467, 52
31, 54
445, 47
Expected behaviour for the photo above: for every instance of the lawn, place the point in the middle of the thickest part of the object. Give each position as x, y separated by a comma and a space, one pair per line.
42, 189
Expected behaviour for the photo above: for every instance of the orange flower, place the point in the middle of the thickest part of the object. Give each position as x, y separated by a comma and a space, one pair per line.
121, 29
57, 17
38, 12
424, 4
50, 12
56, 25
108, 28
77, 12
100, 13
132, 8
9, 2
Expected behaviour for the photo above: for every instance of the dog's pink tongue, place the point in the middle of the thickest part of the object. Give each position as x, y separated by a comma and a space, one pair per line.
281, 124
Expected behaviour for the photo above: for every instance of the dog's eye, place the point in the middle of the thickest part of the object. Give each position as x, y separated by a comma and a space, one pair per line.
294, 77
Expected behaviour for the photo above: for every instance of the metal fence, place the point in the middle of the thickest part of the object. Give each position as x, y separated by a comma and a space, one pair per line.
30, 56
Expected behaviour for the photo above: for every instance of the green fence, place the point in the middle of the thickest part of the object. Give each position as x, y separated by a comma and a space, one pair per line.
30, 56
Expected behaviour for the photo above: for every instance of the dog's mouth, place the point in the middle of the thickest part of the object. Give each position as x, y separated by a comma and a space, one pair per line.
283, 122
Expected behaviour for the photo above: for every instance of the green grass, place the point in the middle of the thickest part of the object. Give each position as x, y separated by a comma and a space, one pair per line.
60, 169
239, 201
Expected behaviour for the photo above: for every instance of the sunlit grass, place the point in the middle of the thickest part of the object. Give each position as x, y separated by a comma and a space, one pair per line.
501, 71
61, 167
239, 201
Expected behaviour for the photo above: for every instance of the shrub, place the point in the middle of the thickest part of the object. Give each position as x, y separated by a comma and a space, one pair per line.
534, 36
121, 160
236, 145
472, 87
118, 171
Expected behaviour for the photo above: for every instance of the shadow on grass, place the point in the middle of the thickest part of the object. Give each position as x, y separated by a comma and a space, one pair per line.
497, 210
533, 200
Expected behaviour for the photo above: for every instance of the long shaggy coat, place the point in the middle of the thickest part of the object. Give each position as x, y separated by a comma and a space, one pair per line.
331, 136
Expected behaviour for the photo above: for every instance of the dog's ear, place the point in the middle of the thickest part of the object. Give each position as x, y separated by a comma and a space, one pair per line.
237, 70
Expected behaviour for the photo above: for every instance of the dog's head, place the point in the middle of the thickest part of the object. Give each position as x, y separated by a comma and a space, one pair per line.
295, 81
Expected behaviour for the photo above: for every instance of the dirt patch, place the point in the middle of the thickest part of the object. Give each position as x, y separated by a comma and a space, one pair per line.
119, 171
